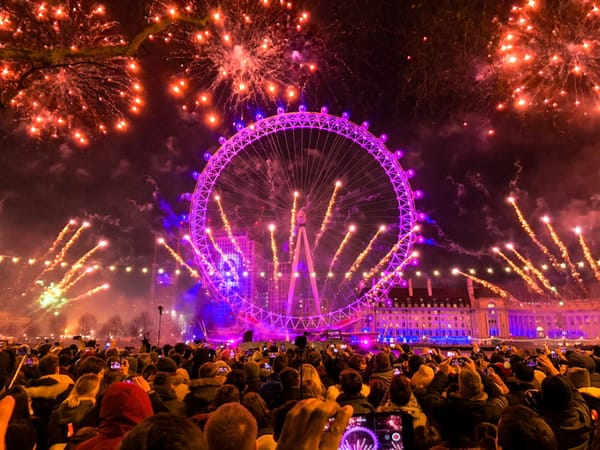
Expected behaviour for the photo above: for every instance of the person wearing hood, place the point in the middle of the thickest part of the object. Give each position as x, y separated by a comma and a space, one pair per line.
46, 393
124, 406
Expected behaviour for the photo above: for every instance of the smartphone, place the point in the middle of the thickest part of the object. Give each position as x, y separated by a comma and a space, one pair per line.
222, 370
382, 431
532, 362
115, 365
451, 354
397, 371
267, 366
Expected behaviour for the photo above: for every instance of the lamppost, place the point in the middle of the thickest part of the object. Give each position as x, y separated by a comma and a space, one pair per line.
160, 311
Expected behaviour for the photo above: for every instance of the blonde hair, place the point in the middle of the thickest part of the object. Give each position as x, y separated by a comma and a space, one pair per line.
308, 372
87, 387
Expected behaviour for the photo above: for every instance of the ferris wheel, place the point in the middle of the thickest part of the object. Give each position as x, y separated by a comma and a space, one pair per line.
302, 219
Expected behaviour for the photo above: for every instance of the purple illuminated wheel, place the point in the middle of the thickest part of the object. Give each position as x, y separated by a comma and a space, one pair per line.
300, 220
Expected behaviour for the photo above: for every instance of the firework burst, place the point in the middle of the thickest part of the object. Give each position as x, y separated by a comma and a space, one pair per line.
549, 55
252, 52
45, 285
64, 70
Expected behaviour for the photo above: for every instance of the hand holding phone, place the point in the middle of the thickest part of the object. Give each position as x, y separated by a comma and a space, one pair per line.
297, 428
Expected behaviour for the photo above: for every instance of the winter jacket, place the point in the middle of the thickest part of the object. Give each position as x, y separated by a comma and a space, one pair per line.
573, 426
65, 420
202, 393
46, 393
359, 402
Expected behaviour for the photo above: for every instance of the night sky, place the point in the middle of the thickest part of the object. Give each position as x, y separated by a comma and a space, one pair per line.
417, 71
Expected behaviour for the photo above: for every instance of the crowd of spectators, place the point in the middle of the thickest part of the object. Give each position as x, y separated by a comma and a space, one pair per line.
287, 397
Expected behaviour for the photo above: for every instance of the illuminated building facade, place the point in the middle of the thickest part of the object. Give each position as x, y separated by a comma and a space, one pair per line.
459, 315
237, 268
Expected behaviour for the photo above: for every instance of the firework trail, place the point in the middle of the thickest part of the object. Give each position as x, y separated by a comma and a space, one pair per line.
340, 249
66, 287
58, 239
492, 287
587, 253
89, 293
178, 258
525, 225
229, 230
327, 216
61, 255
64, 71
549, 55
540, 276
274, 251
385, 259
211, 269
530, 281
364, 253
394, 273
221, 253
564, 253
80, 262
293, 223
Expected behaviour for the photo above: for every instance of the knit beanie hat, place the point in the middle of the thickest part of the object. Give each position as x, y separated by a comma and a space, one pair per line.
556, 393
470, 385
422, 378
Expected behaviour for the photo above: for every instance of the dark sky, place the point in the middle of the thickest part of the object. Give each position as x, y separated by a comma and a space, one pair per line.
428, 95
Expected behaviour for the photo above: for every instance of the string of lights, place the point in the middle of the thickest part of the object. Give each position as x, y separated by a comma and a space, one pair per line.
147, 268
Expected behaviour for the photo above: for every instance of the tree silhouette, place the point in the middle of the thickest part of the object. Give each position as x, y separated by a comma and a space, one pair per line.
112, 327
87, 323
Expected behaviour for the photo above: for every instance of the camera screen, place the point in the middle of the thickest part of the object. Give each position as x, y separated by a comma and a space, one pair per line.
374, 431
115, 365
